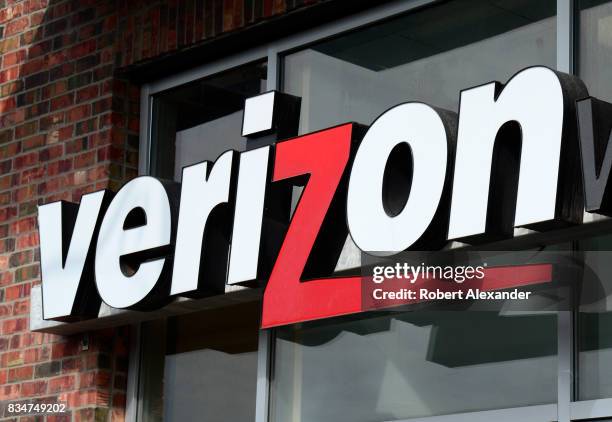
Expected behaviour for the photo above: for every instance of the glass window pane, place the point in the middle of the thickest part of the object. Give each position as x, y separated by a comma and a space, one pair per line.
595, 321
429, 55
595, 47
416, 364
202, 364
413, 365
201, 120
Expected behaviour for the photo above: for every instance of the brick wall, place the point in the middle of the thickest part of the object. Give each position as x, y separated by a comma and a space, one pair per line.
69, 125
152, 28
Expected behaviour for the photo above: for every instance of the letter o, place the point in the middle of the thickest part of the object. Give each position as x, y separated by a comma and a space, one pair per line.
372, 229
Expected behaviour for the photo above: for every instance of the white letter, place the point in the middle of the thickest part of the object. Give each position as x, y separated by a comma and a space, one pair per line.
248, 215
371, 227
534, 99
61, 263
200, 194
144, 194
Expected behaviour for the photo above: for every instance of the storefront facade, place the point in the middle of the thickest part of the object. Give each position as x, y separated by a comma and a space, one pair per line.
97, 93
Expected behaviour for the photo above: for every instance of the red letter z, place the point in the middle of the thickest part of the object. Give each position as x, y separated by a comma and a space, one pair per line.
323, 156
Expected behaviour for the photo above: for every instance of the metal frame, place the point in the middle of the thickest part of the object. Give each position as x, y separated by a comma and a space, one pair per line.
565, 321
565, 410
546, 412
132, 401
590, 409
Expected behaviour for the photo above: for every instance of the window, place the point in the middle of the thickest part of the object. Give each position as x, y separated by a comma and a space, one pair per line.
200, 120
595, 313
413, 364
203, 364
423, 363
429, 55
595, 321
595, 47
398, 365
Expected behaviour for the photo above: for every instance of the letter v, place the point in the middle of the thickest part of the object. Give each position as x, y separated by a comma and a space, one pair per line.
594, 124
68, 233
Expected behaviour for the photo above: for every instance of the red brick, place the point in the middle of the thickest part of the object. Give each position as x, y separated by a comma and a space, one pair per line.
37, 18
94, 379
20, 373
61, 134
12, 358
18, 291
34, 5
9, 44
54, 89
27, 273
59, 167
25, 224
51, 121
6, 14
78, 192
13, 58
5, 198
11, 88
10, 392
83, 49
33, 66
10, 150
78, 113
7, 245
9, 74
21, 307
31, 175
87, 93
65, 349
6, 166
61, 102
26, 160
33, 388
33, 142
55, 184
15, 26
63, 383
7, 104
7, 181
26, 129
51, 152
36, 354
23, 194
98, 173
5, 310
72, 365
76, 145
85, 159
14, 325
27, 240
7, 213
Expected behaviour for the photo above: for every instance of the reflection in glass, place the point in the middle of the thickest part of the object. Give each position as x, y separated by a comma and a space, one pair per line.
412, 365
202, 119
201, 366
595, 321
595, 47
429, 55
422, 363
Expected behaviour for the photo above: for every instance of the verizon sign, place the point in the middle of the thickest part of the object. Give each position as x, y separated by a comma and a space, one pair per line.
416, 178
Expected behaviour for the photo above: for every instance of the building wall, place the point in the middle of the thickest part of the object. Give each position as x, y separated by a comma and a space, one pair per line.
69, 125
